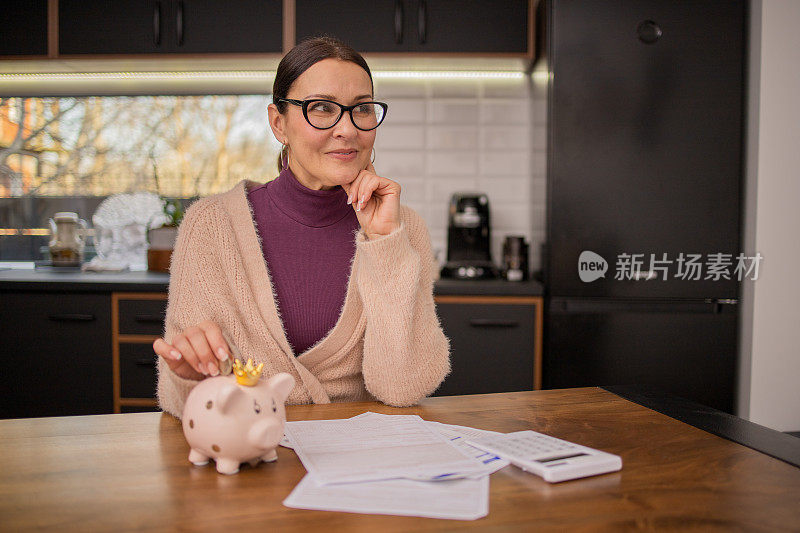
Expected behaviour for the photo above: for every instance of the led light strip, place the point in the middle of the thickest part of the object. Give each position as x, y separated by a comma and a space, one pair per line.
248, 74
448, 74
28, 231
81, 76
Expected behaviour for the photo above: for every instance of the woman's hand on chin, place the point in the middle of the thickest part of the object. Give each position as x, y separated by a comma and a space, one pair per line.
376, 201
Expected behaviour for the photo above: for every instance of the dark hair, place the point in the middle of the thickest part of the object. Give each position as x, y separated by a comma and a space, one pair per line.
306, 54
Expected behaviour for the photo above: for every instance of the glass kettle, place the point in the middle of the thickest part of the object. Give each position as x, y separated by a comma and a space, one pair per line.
68, 239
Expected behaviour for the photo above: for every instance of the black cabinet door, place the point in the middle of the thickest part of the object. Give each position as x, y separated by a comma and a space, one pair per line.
491, 347
112, 26
212, 26
471, 26
24, 28
57, 354
137, 371
169, 26
142, 317
366, 25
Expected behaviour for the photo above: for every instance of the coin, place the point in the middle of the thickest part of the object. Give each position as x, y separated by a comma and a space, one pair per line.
225, 367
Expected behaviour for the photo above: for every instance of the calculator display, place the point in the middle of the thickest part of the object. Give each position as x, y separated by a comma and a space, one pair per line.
560, 457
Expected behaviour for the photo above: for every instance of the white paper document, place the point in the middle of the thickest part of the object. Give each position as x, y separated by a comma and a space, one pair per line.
373, 447
458, 499
458, 435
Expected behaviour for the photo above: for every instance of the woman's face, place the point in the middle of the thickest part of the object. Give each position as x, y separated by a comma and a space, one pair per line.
323, 159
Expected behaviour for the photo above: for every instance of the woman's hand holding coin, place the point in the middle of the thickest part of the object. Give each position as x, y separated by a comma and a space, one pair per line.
197, 352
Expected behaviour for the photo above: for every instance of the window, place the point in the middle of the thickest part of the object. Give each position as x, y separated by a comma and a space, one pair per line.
68, 154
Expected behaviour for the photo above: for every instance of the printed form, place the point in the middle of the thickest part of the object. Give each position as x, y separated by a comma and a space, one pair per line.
379, 447
455, 499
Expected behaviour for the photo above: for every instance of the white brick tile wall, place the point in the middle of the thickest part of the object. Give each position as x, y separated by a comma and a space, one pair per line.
393, 136
506, 137
539, 111
396, 164
503, 189
399, 88
413, 190
506, 162
405, 111
539, 135
453, 137
453, 111
515, 112
503, 88
538, 191
454, 89
539, 164
446, 136
449, 162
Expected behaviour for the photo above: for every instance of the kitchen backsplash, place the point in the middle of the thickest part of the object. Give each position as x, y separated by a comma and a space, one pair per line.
440, 136
446, 135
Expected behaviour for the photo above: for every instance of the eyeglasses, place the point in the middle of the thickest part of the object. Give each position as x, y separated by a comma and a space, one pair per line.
325, 114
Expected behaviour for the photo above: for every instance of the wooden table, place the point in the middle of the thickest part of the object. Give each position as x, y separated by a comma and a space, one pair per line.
130, 471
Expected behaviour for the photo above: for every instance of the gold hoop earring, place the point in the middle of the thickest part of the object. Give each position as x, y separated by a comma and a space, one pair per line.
285, 157
373, 155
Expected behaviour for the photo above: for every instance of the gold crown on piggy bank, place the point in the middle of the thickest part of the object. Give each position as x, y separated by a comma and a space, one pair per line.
247, 374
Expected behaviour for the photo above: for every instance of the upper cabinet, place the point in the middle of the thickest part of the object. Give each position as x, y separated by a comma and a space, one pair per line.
169, 26
420, 26
24, 30
84, 29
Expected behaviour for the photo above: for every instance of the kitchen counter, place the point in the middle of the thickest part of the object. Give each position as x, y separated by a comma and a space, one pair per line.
49, 279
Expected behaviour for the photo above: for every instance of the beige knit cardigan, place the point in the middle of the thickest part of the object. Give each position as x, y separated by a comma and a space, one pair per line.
387, 344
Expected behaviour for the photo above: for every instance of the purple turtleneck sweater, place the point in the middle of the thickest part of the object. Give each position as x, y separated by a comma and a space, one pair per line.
308, 241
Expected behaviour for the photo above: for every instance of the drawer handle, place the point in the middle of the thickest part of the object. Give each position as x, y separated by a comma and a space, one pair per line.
157, 24
179, 24
422, 29
146, 362
493, 323
398, 21
71, 317
149, 318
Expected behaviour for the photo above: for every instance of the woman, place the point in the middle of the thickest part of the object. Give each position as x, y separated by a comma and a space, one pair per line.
320, 273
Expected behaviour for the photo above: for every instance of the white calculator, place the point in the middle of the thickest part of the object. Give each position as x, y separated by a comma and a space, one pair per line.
551, 458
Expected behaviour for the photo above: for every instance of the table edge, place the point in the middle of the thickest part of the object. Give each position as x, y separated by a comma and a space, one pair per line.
755, 436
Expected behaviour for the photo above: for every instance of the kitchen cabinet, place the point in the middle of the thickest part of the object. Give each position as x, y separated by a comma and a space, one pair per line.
169, 26
56, 354
163, 27
24, 28
137, 321
495, 343
81, 343
420, 26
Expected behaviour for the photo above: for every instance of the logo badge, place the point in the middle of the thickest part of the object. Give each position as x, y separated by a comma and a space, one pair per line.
591, 266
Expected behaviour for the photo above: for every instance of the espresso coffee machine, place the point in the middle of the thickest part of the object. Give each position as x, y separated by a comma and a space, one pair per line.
469, 238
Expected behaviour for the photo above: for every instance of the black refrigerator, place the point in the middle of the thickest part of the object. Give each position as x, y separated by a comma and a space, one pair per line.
645, 142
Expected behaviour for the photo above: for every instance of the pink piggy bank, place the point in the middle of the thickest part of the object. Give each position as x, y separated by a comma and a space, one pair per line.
236, 418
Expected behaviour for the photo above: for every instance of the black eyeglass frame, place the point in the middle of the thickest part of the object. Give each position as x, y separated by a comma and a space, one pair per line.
303, 104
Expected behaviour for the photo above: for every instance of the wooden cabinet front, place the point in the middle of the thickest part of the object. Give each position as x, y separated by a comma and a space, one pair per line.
137, 321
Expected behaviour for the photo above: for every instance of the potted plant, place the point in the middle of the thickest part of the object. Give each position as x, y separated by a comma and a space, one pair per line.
161, 239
